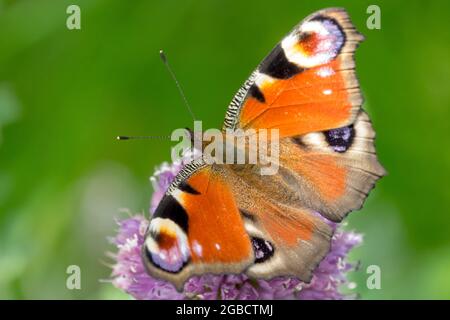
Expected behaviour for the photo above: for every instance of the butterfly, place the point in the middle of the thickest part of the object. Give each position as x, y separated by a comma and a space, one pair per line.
218, 218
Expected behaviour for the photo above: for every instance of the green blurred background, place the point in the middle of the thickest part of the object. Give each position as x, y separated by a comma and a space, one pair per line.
65, 95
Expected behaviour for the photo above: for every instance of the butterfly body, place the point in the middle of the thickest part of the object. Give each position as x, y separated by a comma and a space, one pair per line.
231, 218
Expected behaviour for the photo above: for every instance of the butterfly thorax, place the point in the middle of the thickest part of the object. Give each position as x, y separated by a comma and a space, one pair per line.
237, 148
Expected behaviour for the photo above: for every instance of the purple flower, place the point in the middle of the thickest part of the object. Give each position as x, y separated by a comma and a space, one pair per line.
129, 273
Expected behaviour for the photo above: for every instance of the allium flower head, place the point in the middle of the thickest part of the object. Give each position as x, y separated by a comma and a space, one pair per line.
129, 273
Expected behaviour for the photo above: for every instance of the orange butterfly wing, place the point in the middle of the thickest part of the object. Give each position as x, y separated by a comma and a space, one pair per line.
214, 220
306, 84
196, 229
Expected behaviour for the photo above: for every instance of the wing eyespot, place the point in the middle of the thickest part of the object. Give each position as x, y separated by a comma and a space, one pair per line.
166, 247
262, 249
341, 139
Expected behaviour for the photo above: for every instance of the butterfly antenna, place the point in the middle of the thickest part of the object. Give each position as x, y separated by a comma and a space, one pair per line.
180, 90
166, 63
